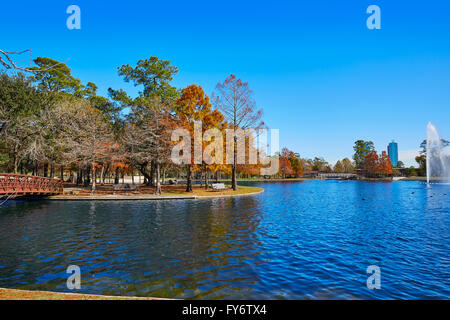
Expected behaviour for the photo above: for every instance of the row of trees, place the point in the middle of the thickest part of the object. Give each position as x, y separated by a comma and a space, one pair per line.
366, 161
369, 162
50, 121
292, 165
376, 165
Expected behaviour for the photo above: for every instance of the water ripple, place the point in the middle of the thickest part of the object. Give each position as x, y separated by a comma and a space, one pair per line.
302, 240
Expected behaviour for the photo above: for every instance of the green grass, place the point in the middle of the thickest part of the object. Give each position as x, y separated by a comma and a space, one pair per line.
14, 294
200, 191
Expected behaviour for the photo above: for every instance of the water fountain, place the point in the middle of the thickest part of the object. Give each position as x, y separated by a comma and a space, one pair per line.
438, 156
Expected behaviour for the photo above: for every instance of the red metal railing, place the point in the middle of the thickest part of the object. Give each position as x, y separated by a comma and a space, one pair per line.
20, 184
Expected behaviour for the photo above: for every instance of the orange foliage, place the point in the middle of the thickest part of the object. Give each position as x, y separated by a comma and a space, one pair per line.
378, 165
285, 166
193, 106
385, 164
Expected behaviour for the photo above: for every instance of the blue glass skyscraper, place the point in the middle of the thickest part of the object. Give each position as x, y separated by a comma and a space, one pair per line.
393, 153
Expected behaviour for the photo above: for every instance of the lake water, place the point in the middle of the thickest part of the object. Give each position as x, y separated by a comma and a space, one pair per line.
297, 240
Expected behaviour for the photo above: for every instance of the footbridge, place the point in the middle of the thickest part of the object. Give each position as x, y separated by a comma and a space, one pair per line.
12, 185
337, 175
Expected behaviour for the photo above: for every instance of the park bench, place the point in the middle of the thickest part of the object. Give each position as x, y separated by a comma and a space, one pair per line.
218, 186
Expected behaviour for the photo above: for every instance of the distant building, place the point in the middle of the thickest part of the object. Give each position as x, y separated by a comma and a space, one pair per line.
393, 153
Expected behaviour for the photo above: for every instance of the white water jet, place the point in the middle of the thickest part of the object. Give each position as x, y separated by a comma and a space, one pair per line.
438, 156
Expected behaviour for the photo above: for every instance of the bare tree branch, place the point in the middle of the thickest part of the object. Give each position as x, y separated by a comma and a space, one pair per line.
9, 63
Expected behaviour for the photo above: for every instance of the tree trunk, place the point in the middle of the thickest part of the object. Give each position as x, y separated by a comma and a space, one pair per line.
45, 169
233, 178
105, 173
206, 179
15, 159
87, 177
158, 182
16, 165
152, 174
234, 169
101, 175
145, 174
116, 177
94, 179
62, 173
189, 178
79, 176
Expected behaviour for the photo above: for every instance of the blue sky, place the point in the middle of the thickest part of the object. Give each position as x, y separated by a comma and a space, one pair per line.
320, 75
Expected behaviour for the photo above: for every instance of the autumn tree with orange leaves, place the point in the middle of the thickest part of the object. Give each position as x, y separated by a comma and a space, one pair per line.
377, 165
252, 154
234, 99
285, 168
385, 165
296, 164
290, 164
193, 106
371, 163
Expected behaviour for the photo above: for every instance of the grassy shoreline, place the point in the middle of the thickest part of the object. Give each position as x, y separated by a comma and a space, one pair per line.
319, 179
16, 294
175, 192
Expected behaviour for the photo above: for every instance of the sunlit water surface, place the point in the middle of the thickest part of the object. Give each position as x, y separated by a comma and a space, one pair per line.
299, 240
